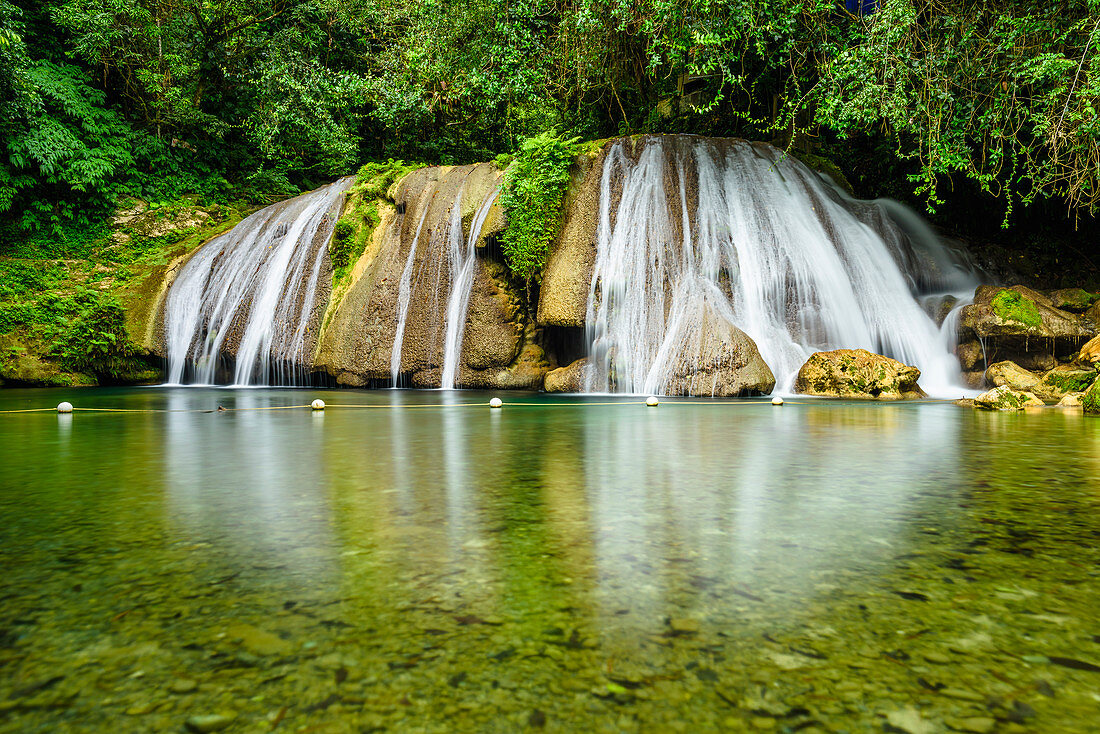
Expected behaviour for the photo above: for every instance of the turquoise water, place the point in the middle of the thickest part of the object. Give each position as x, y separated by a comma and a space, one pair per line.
557, 565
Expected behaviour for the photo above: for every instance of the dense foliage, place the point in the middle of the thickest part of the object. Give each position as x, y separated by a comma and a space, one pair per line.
227, 98
534, 186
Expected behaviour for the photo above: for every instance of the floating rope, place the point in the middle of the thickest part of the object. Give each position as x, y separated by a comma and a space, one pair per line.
413, 406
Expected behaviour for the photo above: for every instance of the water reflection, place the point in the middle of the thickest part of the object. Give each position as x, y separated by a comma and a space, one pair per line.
566, 547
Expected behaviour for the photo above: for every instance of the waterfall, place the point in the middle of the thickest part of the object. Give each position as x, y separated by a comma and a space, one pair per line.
462, 262
685, 222
404, 293
254, 295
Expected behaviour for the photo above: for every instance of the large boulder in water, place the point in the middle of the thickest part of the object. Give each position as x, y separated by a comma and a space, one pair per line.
1005, 398
858, 374
1090, 401
714, 358
1022, 325
570, 378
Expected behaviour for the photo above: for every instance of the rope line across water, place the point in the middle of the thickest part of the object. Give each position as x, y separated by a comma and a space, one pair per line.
452, 405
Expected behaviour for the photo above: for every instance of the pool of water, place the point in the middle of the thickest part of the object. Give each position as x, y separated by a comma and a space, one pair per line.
418, 563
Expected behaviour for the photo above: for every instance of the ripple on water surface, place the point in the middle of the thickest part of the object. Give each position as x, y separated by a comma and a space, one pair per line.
817, 567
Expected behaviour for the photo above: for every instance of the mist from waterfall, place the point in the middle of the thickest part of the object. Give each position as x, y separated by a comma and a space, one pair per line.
799, 267
254, 295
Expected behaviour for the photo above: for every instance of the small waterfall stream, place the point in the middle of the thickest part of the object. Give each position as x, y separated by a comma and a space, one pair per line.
255, 294
462, 262
688, 223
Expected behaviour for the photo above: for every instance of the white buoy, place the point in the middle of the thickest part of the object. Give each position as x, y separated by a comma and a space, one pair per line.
64, 407
652, 402
496, 403
318, 404
777, 400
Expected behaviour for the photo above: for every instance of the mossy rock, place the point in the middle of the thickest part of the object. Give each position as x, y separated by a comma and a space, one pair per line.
1090, 401
1005, 398
1066, 380
1009, 305
1073, 299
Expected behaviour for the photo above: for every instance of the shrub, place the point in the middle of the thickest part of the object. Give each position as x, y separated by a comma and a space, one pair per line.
533, 191
95, 341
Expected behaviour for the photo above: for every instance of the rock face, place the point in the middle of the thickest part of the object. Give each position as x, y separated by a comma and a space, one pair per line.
407, 262
858, 374
1005, 398
1021, 325
717, 359
567, 379
1052, 386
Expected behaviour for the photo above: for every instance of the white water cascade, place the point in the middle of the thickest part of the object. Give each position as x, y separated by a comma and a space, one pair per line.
253, 293
688, 224
404, 295
462, 262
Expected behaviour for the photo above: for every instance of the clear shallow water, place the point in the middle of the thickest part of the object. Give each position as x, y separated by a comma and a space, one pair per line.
822, 567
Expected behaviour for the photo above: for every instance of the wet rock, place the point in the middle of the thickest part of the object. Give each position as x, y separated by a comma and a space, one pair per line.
909, 720
1073, 299
714, 358
209, 722
974, 724
1004, 398
1090, 353
1090, 399
567, 379
858, 374
1023, 326
1064, 379
1011, 375
257, 641
683, 625
182, 685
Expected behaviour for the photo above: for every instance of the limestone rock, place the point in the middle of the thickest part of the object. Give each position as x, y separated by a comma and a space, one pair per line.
567, 379
1022, 325
1090, 353
858, 374
1073, 299
1063, 379
1005, 398
567, 277
1071, 400
1014, 376
714, 358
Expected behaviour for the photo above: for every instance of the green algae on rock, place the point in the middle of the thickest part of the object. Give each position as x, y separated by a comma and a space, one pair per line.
858, 374
1005, 398
1010, 305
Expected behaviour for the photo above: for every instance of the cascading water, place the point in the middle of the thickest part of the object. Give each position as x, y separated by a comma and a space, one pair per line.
404, 294
253, 294
688, 225
462, 262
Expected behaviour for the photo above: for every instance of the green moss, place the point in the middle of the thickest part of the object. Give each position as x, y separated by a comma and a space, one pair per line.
1011, 306
1090, 401
826, 166
375, 179
534, 188
1069, 381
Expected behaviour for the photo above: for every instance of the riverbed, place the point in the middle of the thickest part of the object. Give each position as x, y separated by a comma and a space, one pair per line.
415, 561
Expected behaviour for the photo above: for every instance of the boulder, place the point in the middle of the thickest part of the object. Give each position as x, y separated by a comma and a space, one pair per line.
1012, 375
858, 374
715, 358
1021, 325
1071, 400
1066, 378
1090, 353
1005, 398
1076, 300
1090, 400
567, 379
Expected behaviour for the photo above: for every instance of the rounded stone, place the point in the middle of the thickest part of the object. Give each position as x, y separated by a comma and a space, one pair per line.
777, 400
318, 404
652, 402
64, 407
496, 403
